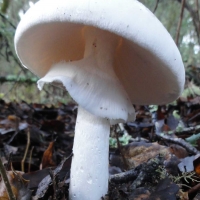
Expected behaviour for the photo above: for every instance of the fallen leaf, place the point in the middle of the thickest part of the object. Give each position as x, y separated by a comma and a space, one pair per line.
178, 151
196, 163
186, 165
165, 190
140, 194
18, 184
47, 159
47, 181
137, 153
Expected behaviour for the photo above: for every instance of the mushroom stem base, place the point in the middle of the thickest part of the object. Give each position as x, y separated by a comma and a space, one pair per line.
89, 170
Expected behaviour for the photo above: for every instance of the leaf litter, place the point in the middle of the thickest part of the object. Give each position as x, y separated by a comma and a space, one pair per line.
155, 157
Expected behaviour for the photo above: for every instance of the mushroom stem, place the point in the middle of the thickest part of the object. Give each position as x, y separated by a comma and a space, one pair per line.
89, 170
93, 84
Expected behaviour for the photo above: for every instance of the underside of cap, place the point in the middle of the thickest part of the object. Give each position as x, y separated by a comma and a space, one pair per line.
96, 92
147, 62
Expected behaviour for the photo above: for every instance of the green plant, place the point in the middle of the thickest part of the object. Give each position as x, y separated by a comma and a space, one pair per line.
124, 140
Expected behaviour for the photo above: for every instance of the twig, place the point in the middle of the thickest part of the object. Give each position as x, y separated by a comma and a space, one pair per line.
6, 181
186, 130
17, 79
30, 159
156, 6
194, 189
7, 167
47, 180
5, 18
121, 152
193, 117
125, 176
147, 171
13, 136
180, 142
16, 131
197, 7
8, 49
26, 150
180, 22
138, 174
53, 179
195, 19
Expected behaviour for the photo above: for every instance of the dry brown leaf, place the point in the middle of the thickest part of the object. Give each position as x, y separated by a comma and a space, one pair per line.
161, 112
137, 153
165, 128
178, 151
47, 159
18, 184
140, 194
196, 164
13, 118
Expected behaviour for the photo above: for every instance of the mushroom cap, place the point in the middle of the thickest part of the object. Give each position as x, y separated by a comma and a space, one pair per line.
147, 63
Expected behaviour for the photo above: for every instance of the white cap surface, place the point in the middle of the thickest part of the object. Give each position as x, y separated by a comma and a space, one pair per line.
147, 63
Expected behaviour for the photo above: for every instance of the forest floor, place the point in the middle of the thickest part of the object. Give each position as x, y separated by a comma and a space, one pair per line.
156, 157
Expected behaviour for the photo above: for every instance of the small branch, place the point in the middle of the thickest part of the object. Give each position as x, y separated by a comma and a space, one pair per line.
138, 174
26, 150
195, 18
17, 79
186, 130
47, 180
6, 181
9, 163
6, 44
156, 6
180, 142
121, 152
5, 18
194, 189
53, 179
197, 7
147, 172
18, 62
180, 22
30, 159
123, 130
125, 177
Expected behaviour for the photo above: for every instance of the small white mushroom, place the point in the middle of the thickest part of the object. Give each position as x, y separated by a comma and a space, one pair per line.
108, 55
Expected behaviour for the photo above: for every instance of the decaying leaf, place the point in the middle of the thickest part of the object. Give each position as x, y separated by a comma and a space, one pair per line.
18, 184
196, 163
12, 123
47, 159
171, 165
137, 153
140, 194
47, 181
166, 190
178, 151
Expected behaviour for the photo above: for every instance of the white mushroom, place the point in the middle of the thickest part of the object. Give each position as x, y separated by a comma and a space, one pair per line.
108, 55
